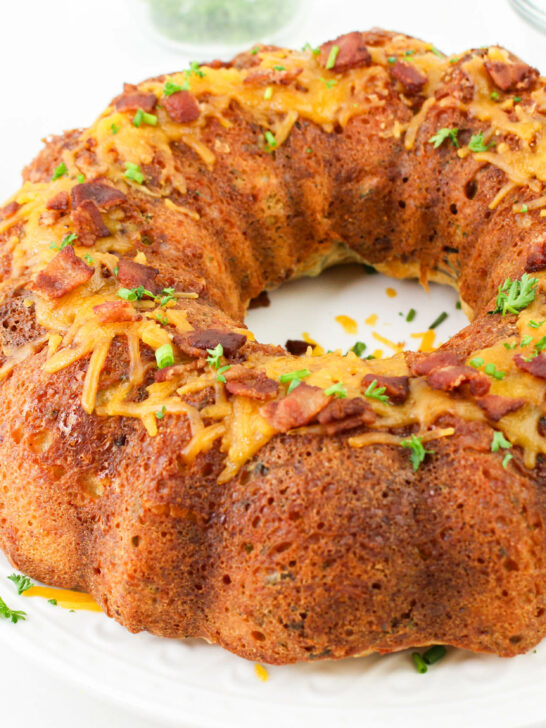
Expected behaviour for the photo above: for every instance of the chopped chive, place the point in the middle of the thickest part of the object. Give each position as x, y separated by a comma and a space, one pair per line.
114, 128
499, 441
441, 318
60, 171
308, 150
80, 179
132, 171
391, 59
142, 117
331, 62
420, 664
171, 88
517, 99
494, 95
411, 315
270, 140
298, 374
164, 356
506, 459
268, 93
338, 390
476, 362
89, 259
536, 324
328, 82
53, 602
418, 452
434, 653
525, 341
458, 305
160, 414
279, 68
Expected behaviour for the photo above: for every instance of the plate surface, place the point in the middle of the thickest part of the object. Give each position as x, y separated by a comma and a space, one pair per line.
190, 683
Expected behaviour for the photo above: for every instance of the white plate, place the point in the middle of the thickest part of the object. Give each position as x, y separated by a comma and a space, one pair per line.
197, 685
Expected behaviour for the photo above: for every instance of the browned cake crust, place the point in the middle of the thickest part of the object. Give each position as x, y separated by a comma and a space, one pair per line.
316, 547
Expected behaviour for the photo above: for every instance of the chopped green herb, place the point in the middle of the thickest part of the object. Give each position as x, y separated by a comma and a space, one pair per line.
116, 270
358, 348
509, 346
523, 209
458, 305
412, 313
418, 452
437, 321
167, 295
80, 179
254, 51
21, 581
60, 171
279, 68
369, 269
53, 602
134, 294
220, 374
375, 392
494, 95
89, 259
477, 144
331, 62
517, 99
434, 653
268, 93
296, 375
516, 295
536, 324
420, 664
329, 82
141, 117
338, 390
437, 52
411, 52
391, 60
162, 319
477, 362
492, 371
499, 441
442, 134
525, 341
164, 356
195, 69
12, 614
115, 128
309, 47
214, 356
270, 140
170, 88
308, 150
541, 344
160, 414
453, 60
506, 459
67, 240
132, 171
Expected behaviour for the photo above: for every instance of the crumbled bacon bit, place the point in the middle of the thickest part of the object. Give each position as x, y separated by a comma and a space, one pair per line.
196, 343
250, 383
424, 364
396, 388
352, 52
89, 224
178, 370
296, 346
136, 101
9, 210
62, 274
452, 377
59, 202
112, 312
536, 257
103, 195
133, 275
296, 409
496, 406
535, 366
266, 76
182, 107
411, 79
340, 415
514, 76
217, 63
260, 301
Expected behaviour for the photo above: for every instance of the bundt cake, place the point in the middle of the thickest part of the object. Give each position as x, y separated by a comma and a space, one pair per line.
200, 484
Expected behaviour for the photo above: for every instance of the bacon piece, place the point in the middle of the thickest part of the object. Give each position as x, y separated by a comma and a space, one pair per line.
182, 107
113, 312
496, 406
136, 101
296, 346
217, 63
260, 301
535, 366
516, 76
133, 275
411, 79
425, 364
88, 223
340, 415
9, 210
250, 383
352, 52
536, 257
104, 196
196, 343
397, 388
62, 274
168, 373
59, 202
296, 409
266, 76
452, 377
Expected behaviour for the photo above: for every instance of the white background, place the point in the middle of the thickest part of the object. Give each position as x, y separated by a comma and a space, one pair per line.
60, 63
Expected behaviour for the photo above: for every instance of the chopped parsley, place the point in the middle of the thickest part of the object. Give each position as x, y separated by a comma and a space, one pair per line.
525, 341
60, 171
308, 150
114, 128
418, 452
309, 47
499, 441
331, 62
412, 313
410, 52
536, 324
358, 348
338, 390
162, 318
12, 614
89, 259
509, 346
132, 171
376, 392
279, 68
437, 321
67, 240
517, 99
141, 117
21, 581
166, 297
214, 356
195, 69
494, 95
270, 141
80, 179
294, 378
220, 373
477, 362
477, 144
53, 602
391, 60
516, 295
160, 414
541, 344
492, 371
442, 134
523, 209
254, 51
164, 356
329, 82
134, 294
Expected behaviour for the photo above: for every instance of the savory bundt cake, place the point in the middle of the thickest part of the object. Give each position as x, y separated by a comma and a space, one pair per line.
198, 483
